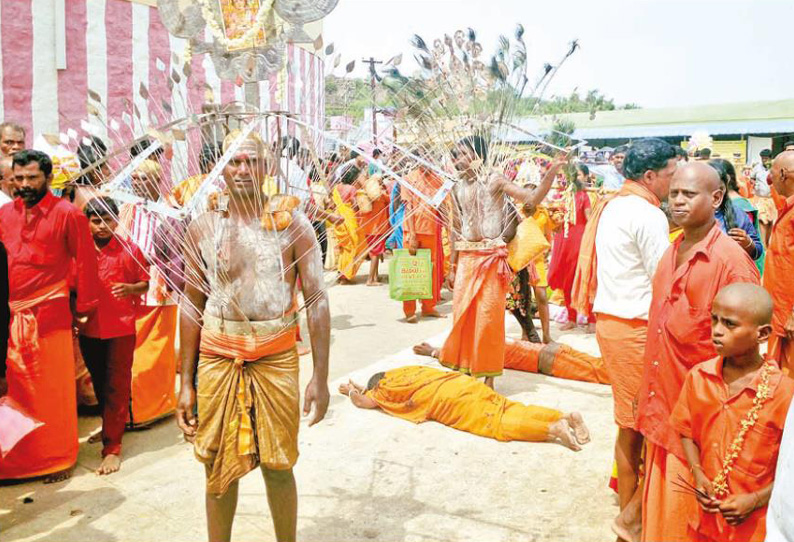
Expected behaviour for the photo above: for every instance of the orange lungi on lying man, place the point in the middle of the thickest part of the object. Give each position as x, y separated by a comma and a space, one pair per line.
420, 394
476, 344
248, 399
565, 362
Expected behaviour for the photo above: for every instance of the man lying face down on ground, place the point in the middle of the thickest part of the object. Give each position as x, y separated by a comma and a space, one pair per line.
419, 394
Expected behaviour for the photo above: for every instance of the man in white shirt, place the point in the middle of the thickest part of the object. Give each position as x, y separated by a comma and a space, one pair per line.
631, 236
297, 180
760, 174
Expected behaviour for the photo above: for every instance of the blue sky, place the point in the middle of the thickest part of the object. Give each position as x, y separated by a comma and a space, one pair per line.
655, 53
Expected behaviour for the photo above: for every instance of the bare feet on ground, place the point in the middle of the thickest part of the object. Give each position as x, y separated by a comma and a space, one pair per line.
59, 476
580, 430
629, 532
433, 314
425, 349
110, 464
413, 319
561, 432
374, 283
591, 328
567, 326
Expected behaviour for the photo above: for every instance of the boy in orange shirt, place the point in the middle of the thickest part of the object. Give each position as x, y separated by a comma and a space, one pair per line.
730, 416
107, 339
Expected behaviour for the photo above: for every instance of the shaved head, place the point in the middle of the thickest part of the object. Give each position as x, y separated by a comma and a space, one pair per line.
696, 192
782, 173
700, 174
748, 300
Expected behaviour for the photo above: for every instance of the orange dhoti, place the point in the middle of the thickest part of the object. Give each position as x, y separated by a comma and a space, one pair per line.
248, 400
154, 365
476, 344
43, 384
565, 362
418, 394
782, 350
666, 510
434, 245
622, 345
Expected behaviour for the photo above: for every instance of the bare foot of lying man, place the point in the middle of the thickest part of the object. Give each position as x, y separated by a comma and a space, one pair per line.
456, 400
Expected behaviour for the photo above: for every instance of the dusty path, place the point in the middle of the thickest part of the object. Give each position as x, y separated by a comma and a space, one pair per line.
362, 475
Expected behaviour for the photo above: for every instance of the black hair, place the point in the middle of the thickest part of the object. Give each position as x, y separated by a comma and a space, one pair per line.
374, 379
477, 145
377, 152
705, 153
680, 151
353, 154
142, 145
726, 206
103, 206
766, 153
28, 156
88, 153
350, 176
649, 154
789, 143
209, 154
621, 149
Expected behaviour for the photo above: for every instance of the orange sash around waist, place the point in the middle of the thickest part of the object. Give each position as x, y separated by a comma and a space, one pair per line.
23, 337
242, 349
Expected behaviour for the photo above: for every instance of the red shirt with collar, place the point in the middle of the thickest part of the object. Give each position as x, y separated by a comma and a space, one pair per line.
41, 243
779, 266
119, 261
710, 416
679, 326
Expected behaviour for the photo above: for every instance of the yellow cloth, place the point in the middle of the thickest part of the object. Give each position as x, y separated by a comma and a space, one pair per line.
348, 240
419, 394
271, 395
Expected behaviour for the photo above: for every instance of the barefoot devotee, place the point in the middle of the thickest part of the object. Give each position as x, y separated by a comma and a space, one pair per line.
238, 326
418, 394
107, 340
43, 235
730, 417
484, 222
422, 229
779, 265
551, 359
350, 244
621, 247
691, 272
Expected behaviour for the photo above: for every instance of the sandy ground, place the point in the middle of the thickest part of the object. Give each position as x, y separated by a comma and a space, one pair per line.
362, 475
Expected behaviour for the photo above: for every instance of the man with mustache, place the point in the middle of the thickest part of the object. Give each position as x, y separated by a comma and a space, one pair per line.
42, 235
688, 277
238, 327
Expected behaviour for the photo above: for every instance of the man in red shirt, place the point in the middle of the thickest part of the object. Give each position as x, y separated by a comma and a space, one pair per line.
107, 340
42, 235
691, 272
780, 263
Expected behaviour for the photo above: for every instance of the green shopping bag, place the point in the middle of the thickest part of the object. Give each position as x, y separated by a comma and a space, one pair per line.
411, 277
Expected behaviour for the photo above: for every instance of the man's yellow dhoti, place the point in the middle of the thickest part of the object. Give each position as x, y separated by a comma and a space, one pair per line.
248, 399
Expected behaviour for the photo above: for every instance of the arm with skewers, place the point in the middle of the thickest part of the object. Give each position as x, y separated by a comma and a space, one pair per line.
529, 196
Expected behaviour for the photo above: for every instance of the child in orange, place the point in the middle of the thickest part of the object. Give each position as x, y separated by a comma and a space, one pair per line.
733, 468
107, 339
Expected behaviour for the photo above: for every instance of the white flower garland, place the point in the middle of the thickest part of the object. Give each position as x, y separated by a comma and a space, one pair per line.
248, 37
